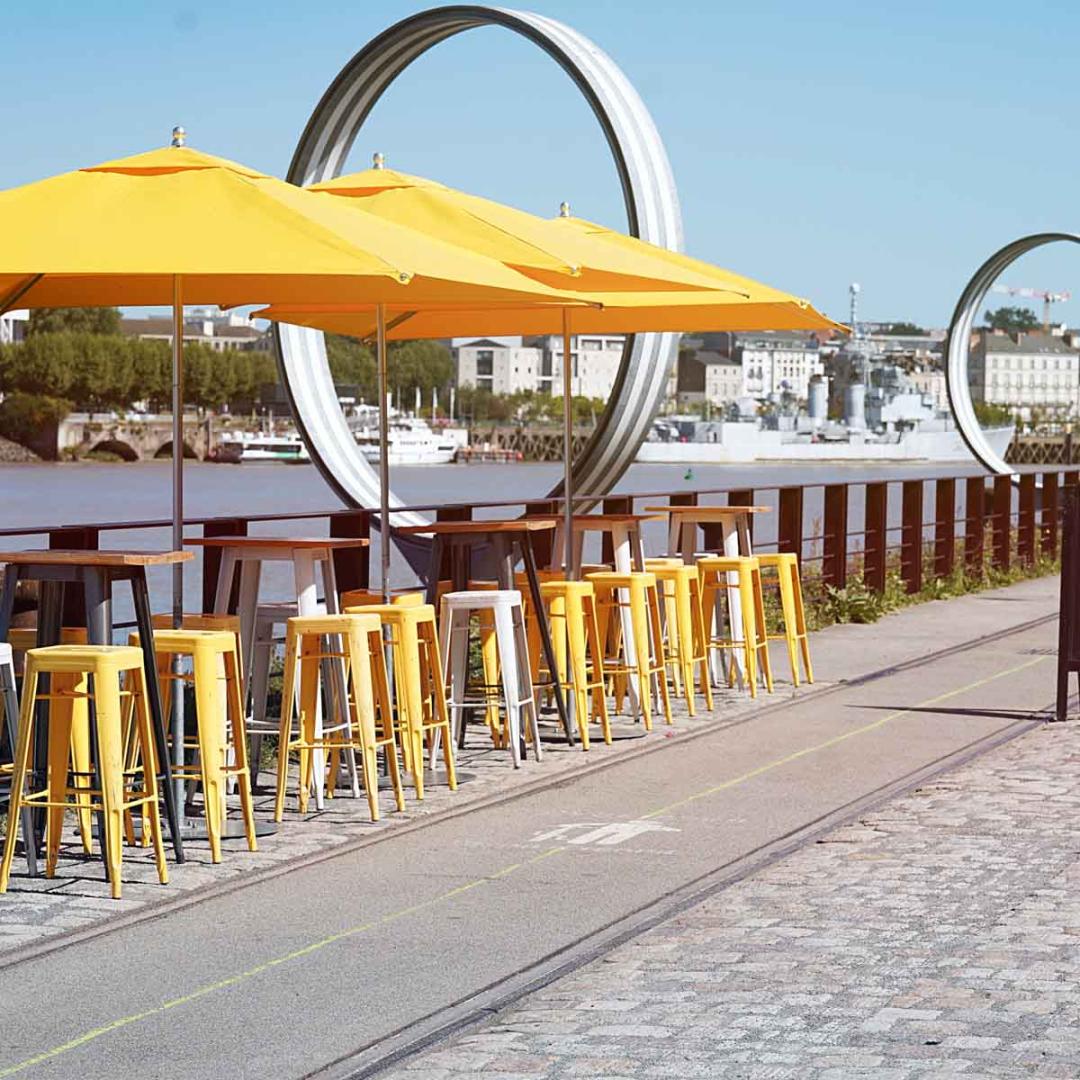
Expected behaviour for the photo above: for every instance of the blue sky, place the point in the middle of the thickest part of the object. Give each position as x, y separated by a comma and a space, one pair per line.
896, 145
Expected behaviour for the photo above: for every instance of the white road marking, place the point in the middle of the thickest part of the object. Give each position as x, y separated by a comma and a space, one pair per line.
600, 833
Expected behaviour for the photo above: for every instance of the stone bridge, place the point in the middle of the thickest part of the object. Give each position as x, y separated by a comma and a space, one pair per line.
135, 438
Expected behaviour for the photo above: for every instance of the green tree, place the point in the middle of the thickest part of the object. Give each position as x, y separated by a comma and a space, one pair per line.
419, 364
75, 320
905, 329
351, 362
1012, 319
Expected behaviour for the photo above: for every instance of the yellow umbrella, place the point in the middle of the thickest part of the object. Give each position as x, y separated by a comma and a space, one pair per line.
543, 249
175, 226
747, 305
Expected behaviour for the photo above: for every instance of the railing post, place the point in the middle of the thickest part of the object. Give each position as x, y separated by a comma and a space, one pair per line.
944, 527
352, 566
1048, 519
834, 563
974, 526
211, 560
875, 535
78, 538
790, 526
911, 532
1001, 522
1025, 531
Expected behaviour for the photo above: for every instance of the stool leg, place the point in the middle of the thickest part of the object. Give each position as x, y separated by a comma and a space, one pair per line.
762, 642
111, 775
800, 621
684, 639
384, 710
639, 623
652, 599
701, 642
787, 607
363, 719
288, 699
674, 627
80, 762
234, 702
748, 608
60, 720
409, 688
574, 617
146, 737
17, 813
310, 726
526, 690
260, 681
211, 749
440, 715
599, 697
504, 632
489, 655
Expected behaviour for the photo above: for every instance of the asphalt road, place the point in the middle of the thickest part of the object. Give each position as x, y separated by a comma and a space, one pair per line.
287, 976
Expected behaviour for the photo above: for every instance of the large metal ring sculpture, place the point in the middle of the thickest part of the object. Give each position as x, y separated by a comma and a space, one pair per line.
958, 343
651, 204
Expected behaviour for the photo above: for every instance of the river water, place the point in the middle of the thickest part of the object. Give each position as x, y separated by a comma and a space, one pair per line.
44, 495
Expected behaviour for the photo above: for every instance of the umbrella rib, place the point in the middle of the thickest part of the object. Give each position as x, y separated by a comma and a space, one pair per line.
18, 293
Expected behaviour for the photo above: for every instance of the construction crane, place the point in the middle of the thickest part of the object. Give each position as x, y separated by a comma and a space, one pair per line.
1047, 298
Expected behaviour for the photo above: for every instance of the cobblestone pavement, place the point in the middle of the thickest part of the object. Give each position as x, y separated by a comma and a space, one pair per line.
34, 909
939, 936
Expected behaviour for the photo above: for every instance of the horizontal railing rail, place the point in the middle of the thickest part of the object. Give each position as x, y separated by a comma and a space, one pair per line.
917, 525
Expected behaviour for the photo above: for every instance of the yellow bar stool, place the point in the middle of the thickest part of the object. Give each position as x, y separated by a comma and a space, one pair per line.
786, 565
353, 726
687, 642
418, 685
220, 736
746, 636
22, 639
369, 598
644, 663
97, 671
570, 607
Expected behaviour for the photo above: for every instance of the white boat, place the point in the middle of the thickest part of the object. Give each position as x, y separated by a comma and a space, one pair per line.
687, 440
412, 442
244, 447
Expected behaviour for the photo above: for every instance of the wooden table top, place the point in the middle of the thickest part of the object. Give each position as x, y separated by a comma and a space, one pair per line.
449, 528
601, 522
284, 542
61, 557
710, 513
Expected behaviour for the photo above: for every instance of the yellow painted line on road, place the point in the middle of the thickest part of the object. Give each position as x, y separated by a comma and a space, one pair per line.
268, 965
836, 740
506, 871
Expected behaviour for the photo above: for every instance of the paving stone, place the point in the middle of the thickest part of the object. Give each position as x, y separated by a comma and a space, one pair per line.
940, 937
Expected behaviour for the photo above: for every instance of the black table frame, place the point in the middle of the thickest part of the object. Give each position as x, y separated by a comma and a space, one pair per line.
96, 581
503, 543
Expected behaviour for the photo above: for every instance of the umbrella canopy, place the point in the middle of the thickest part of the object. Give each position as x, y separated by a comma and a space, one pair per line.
119, 233
598, 259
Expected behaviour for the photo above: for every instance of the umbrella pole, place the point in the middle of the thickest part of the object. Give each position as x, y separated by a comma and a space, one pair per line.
178, 524
568, 451
384, 451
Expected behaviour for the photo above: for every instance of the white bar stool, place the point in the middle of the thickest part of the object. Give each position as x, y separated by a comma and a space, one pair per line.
9, 705
513, 651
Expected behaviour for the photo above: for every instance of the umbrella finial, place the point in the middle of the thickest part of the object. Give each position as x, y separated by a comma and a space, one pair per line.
179, 136
378, 161
564, 209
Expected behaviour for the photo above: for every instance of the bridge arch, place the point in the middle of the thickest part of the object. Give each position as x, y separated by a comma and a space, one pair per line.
165, 451
122, 449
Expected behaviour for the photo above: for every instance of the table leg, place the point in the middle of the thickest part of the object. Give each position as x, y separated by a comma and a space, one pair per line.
434, 569
529, 556
7, 599
166, 787
49, 619
689, 542
674, 536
